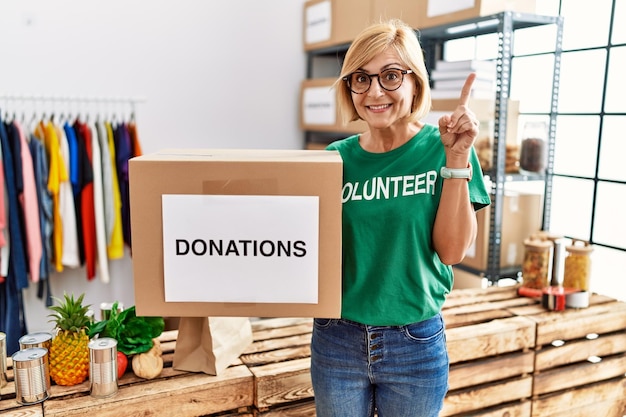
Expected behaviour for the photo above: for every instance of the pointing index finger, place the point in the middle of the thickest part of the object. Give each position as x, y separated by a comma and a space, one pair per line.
467, 89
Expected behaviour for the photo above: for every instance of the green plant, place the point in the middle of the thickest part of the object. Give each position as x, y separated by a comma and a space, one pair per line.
133, 333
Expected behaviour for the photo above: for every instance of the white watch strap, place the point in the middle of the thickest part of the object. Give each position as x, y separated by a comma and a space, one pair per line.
465, 173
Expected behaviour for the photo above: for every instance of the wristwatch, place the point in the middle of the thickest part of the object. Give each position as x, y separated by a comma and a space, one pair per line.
463, 173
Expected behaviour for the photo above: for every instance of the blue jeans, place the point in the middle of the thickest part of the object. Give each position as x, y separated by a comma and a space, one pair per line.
395, 371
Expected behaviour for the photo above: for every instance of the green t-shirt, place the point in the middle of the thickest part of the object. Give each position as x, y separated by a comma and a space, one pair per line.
391, 273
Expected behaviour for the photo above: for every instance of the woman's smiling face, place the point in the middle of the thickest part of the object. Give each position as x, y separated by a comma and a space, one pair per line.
381, 108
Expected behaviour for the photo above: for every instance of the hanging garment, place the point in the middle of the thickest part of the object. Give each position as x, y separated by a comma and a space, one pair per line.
116, 245
102, 260
134, 138
4, 231
123, 152
71, 255
107, 180
30, 206
15, 147
56, 175
12, 321
87, 199
40, 167
78, 171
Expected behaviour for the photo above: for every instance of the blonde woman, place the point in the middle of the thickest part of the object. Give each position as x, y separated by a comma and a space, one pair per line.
409, 201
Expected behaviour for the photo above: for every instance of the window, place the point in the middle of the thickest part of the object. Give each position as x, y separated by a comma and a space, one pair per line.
589, 183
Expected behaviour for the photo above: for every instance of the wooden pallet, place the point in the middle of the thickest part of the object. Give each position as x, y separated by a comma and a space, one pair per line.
280, 359
503, 363
579, 354
490, 350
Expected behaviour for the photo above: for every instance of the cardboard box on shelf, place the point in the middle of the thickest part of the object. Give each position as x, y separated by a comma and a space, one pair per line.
333, 22
464, 279
406, 10
441, 12
318, 108
240, 233
521, 216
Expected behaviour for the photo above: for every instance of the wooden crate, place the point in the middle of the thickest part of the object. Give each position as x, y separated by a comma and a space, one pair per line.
579, 351
514, 409
605, 399
491, 356
280, 360
173, 393
300, 409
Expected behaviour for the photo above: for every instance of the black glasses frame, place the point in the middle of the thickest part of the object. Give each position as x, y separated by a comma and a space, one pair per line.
371, 76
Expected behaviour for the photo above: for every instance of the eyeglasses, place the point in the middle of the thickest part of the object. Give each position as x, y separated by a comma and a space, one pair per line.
391, 79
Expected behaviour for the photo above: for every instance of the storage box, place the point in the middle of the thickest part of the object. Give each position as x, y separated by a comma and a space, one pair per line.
405, 10
334, 22
236, 233
521, 216
441, 12
318, 108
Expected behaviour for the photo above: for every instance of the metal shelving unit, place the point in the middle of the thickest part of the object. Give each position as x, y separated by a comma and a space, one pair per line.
504, 24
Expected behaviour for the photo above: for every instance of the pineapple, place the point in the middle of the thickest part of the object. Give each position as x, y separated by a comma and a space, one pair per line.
69, 351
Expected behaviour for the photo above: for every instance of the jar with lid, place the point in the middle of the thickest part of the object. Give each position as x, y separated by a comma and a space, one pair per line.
533, 153
578, 265
536, 266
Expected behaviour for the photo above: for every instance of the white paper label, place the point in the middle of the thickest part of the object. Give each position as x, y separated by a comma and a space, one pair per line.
319, 106
318, 22
244, 249
439, 7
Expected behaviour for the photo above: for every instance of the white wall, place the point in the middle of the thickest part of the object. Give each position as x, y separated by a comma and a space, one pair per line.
214, 74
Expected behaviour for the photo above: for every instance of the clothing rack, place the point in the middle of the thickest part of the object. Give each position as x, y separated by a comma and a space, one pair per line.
61, 98
51, 102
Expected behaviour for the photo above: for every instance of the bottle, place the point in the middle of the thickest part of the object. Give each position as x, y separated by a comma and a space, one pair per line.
536, 266
534, 153
578, 265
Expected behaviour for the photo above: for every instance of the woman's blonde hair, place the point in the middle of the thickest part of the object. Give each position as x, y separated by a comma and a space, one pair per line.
368, 44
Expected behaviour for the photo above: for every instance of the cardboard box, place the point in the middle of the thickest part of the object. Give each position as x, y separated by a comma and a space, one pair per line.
521, 216
318, 108
442, 12
334, 22
405, 10
465, 280
241, 233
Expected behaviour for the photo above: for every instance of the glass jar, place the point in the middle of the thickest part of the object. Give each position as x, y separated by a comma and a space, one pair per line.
536, 266
578, 265
534, 152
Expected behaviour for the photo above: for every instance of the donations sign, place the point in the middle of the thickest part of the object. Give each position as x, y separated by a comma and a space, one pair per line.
241, 248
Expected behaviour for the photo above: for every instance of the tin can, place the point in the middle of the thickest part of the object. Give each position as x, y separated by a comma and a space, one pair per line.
31, 375
41, 339
103, 367
105, 309
3, 360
